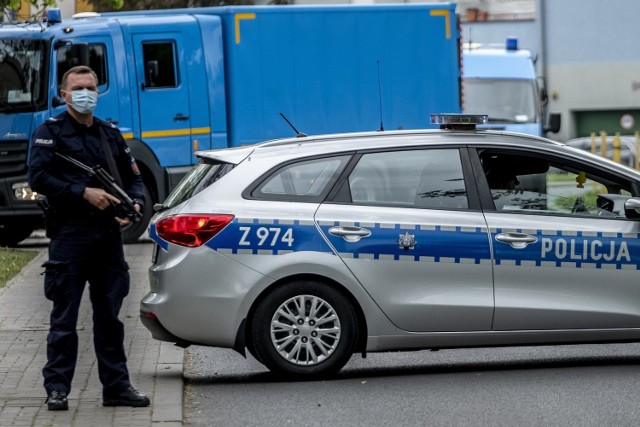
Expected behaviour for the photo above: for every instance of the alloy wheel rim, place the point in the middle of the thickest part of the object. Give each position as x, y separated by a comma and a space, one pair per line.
305, 330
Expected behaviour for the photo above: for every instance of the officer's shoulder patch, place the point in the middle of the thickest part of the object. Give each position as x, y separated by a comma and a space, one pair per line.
44, 142
134, 167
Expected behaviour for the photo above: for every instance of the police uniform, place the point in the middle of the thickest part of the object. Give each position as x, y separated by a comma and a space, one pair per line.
86, 246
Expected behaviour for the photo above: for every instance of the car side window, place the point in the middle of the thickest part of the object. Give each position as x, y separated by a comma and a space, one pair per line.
531, 184
306, 179
415, 178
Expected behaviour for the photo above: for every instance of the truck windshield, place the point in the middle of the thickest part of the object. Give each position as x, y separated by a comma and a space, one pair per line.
22, 77
505, 101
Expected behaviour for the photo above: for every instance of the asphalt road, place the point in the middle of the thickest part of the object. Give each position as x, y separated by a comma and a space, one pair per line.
588, 385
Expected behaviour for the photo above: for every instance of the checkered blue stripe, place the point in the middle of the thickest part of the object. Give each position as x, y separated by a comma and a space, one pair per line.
440, 244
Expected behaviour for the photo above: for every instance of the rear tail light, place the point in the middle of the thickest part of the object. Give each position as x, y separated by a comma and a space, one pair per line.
191, 230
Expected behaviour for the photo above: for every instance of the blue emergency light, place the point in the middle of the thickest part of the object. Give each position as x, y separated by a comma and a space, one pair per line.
512, 43
454, 121
54, 16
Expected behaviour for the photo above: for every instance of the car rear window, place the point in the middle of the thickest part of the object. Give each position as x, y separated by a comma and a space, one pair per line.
307, 180
203, 174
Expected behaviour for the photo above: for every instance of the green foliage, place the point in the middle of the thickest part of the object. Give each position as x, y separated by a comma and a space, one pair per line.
39, 5
108, 5
11, 262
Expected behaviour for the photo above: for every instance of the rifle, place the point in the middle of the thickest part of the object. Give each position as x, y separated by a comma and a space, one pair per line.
126, 208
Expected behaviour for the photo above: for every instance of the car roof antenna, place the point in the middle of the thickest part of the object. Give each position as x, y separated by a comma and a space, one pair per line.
380, 97
298, 133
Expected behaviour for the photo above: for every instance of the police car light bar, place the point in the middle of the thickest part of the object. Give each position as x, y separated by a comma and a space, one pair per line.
459, 121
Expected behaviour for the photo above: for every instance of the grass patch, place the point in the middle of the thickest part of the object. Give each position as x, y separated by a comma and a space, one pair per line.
11, 262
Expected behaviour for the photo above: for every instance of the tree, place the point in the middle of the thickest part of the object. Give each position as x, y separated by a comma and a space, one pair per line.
10, 8
107, 6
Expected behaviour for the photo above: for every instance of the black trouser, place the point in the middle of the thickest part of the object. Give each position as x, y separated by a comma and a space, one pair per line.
78, 255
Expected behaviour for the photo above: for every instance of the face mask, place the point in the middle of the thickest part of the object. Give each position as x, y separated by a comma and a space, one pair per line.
84, 101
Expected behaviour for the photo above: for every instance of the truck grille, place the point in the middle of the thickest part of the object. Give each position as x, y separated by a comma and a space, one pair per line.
13, 157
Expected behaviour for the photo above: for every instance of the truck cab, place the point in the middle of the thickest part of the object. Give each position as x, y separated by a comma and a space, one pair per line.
135, 98
501, 81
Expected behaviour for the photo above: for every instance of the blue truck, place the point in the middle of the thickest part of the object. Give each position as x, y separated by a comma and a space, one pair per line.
501, 81
177, 81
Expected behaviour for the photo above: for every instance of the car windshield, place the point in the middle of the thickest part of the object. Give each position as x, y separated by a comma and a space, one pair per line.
202, 175
505, 101
22, 74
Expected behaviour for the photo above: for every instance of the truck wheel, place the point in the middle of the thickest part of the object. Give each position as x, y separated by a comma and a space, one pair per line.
12, 234
304, 329
132, 232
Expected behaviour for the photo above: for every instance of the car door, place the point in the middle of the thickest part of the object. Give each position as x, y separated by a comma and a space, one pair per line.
565, 255
403, 223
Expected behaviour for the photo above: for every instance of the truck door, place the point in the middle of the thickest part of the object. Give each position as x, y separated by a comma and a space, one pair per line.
163, 90
102, 60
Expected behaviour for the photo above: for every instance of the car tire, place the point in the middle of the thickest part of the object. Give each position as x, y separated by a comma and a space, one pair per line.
304, 329
14, 233
132, 232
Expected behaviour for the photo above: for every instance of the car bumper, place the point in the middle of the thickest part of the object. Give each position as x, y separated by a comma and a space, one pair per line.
199, 296
159, 332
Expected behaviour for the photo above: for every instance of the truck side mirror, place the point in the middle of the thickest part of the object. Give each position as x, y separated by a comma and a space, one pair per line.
152, 73
553, 123
544, 97
57, 101
80, 53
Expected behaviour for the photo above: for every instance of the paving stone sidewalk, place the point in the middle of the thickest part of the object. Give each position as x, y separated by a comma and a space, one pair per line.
155, 367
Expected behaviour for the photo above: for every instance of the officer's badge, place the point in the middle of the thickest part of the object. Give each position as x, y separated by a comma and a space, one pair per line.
407, 241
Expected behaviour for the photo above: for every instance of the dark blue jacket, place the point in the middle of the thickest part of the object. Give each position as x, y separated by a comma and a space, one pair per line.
63, 183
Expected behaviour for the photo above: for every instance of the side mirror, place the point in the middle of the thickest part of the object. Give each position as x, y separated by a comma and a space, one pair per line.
80, 53
553, 123
152, 72
632, 208
57, 101
544, 97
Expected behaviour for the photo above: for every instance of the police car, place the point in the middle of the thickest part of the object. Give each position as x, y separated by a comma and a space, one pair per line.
307, 250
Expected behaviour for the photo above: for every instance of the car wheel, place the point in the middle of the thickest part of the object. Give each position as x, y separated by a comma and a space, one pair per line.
12, 234
132, 232
304, 329
252, 350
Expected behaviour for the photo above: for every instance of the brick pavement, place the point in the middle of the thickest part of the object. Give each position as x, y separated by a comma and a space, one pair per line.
155, 367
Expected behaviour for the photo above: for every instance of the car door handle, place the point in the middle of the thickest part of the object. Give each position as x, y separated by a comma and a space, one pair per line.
180, 117
350, 234
516, 240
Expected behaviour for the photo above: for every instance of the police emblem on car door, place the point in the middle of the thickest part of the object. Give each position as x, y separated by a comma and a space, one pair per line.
401, 224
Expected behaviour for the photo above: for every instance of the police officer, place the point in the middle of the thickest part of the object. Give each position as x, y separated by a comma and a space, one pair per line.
86, 245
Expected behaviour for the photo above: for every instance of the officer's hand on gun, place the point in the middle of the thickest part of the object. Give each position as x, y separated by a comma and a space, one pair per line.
101, 200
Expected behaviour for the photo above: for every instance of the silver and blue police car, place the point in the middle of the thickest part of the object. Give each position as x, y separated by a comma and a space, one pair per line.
307, 250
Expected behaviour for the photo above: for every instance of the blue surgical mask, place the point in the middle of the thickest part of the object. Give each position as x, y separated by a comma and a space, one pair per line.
84, 101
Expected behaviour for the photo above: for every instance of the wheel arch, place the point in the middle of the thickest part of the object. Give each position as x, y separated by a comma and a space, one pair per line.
244, 332
152, 173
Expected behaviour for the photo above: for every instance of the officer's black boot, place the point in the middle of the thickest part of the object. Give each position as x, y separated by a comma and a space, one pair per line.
57, 401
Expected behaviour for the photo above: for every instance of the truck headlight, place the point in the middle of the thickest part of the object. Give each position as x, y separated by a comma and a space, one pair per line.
22, 192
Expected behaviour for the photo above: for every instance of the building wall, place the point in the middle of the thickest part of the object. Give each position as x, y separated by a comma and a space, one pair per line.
589, 53
592, 61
